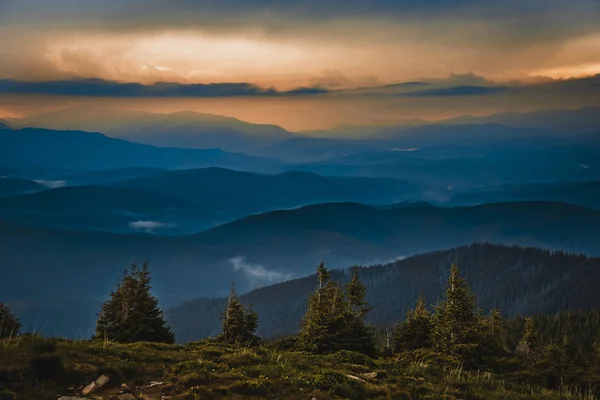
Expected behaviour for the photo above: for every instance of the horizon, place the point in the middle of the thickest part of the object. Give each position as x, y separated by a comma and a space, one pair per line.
304, 64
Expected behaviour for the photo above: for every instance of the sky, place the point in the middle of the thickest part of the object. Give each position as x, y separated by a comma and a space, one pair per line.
317, 63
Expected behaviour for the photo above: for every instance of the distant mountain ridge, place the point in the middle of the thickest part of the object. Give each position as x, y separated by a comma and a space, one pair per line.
586, 194
75, 150
186, 201
16, 186
185, 129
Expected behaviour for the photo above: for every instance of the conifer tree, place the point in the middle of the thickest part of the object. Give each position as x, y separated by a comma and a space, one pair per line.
529, 340
132, 313
335, 318
415, 331
457, 327
239, 323
10, 325
497, 331
356, 293
322, 275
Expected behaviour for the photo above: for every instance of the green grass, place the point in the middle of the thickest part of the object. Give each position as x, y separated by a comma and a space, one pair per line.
205, 370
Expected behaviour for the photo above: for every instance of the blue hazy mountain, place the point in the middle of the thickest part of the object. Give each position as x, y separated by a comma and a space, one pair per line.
106, 176
109, 209
431, 141
263, 249
77, 150
16, 186
250, 192
186, 201
581, 193
185, 129
462, 166
578, 121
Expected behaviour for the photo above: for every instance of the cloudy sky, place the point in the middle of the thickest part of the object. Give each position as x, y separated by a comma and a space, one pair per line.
487, 55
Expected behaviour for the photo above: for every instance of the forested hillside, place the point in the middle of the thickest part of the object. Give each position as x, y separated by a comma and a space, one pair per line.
519, 281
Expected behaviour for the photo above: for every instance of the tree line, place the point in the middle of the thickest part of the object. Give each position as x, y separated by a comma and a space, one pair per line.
335, 320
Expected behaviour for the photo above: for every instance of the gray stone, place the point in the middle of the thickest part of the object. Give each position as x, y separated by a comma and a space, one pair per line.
369, 375
97, 384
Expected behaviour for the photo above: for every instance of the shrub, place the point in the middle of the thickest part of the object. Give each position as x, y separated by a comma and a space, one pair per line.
42, 346
352, 357
46, 367
287, 343
258, 387
337, 384
193, 379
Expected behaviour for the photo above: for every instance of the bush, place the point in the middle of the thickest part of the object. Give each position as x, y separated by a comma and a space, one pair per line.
193, 379
337, 384
287, 343
42, 346
46, 367
258, 387
352, 357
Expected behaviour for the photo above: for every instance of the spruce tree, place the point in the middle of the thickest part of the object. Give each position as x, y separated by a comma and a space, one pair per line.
132, 313
497, 331
530, 339
334, 319
239, 323
457, 325
10, 325
415, 331
356, 293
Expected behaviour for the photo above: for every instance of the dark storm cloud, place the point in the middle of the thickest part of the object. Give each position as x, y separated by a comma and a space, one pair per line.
458, 91
102, 88
444, 88
529, 17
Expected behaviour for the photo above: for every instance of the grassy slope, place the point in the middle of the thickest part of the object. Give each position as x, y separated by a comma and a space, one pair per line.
204, 370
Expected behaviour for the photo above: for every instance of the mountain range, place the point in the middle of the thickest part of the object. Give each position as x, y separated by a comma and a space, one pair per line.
263, 249
184, 129
183, 201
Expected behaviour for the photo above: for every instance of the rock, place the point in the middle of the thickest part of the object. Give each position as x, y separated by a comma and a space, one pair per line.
126, 396
97, 384
154, 383
356, 378
369, 375
125, 388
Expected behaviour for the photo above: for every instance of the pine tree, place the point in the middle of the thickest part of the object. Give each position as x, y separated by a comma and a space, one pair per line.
415, 331
239, 324
356, 291
10, 325
497, 331
132, 313
322, 275
335, 318
457, 325
530, 339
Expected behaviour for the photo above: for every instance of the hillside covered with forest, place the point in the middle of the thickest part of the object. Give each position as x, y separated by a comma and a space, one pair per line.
452, 350
519, 281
